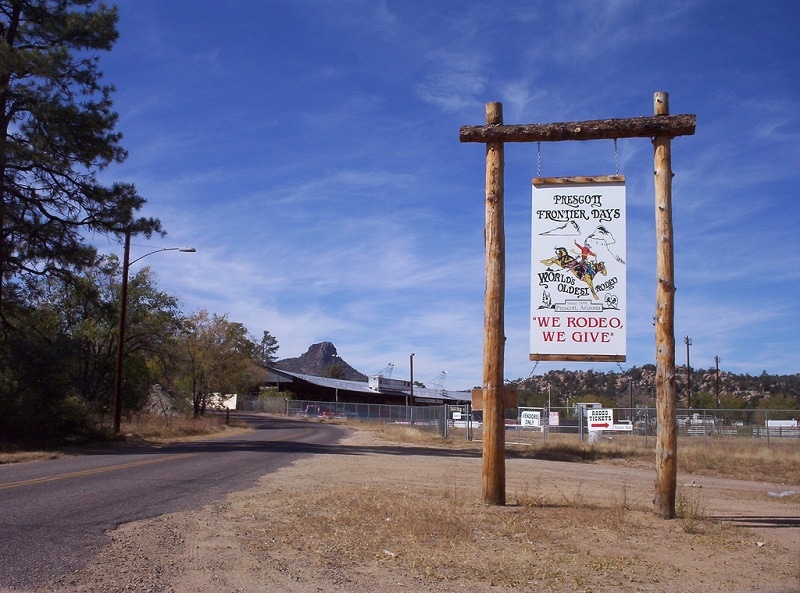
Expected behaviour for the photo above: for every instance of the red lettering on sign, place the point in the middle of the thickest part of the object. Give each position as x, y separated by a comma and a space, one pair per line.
548, 321
594, 322
554, 336
593, 337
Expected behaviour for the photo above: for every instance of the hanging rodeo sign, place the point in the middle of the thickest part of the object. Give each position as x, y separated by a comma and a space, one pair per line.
661, 128
578, 280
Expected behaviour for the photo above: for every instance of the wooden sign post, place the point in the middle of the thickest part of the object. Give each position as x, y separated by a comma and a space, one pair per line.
494, 430
666, 393
662, 127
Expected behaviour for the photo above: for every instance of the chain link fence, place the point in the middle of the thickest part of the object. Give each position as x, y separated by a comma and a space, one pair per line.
431, 419
534, 425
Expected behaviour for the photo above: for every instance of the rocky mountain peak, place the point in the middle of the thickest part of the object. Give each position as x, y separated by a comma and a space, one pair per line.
321, 360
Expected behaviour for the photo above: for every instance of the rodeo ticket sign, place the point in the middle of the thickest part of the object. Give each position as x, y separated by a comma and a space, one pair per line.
578, 277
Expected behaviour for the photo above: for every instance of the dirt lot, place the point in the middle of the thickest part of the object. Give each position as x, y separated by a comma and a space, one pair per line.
394, 517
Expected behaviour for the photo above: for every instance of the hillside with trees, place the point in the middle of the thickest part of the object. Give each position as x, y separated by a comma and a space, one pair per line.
635, 387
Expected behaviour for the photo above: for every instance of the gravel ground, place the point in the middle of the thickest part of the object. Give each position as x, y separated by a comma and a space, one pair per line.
405, 518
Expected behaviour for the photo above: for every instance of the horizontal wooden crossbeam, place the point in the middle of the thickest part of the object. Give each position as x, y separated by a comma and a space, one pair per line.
601, 129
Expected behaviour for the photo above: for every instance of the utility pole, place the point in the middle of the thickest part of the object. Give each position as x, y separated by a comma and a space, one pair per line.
123, 313
716, 380
630, 395
688, 341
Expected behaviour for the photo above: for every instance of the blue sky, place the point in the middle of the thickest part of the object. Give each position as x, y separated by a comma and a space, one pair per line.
310, 151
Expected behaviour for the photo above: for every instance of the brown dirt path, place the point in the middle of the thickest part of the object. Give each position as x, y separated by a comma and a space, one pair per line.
394, 517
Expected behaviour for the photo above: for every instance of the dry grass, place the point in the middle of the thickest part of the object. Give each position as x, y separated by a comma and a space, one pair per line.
543, 540
144, 428
12, 456
690, 510
743, 459
402, 433
150, 427
728, 457
442, 537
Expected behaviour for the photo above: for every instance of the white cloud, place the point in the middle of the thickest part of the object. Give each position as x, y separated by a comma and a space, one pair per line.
315, 164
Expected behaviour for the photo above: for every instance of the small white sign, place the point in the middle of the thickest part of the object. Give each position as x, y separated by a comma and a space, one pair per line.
530, 418
600, 419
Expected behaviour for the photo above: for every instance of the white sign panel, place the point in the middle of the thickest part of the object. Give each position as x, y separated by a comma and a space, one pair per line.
530, 418
600, 419
578, 280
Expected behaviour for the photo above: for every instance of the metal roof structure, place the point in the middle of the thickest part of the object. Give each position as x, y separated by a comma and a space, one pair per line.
342, 387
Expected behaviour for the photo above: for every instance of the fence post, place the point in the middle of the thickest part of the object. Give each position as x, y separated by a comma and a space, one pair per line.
705, 429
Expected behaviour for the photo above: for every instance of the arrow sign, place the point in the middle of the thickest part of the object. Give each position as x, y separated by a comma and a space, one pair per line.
599, 419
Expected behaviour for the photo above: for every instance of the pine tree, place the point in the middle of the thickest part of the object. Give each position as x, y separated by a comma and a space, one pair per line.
57, 132
268, 348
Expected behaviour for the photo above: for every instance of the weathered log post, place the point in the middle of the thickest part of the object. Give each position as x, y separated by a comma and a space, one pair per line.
661, 128
666, 436
494, 471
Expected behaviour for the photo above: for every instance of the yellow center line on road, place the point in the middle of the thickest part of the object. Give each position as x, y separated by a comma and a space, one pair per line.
89, 472
111, 468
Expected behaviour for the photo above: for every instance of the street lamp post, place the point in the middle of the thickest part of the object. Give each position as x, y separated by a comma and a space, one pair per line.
123, 312
411, 377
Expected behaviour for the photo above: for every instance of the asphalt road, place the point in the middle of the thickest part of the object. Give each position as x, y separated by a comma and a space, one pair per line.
54, 515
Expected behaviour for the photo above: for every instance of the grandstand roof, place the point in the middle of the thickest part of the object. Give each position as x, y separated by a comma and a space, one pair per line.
343, 387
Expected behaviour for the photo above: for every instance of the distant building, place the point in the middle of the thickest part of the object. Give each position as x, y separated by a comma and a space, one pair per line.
376, 390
